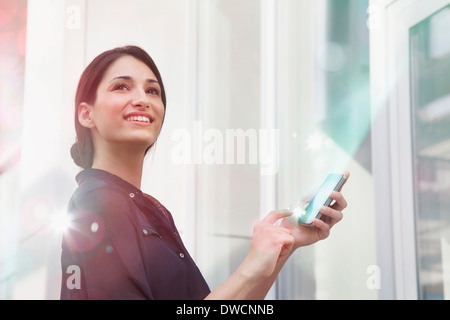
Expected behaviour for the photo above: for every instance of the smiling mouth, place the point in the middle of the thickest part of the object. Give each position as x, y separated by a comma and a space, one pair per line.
138, 119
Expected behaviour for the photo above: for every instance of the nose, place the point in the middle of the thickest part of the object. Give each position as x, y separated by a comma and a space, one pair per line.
140, 100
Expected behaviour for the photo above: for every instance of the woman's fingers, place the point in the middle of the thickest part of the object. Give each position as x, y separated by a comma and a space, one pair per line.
334, 214
324, 228
322, 225
268, 232
274, 216
340, 203
270, 242
347, 174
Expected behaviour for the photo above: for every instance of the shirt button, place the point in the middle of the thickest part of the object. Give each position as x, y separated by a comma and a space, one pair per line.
131, 195
181, 255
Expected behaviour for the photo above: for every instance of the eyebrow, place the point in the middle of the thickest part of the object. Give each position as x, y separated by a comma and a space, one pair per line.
128, 78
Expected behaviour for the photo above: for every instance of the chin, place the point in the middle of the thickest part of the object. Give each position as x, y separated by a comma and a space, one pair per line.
141, 141
138, 142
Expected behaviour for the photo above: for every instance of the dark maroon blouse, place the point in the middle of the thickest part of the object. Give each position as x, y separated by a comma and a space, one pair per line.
123, 244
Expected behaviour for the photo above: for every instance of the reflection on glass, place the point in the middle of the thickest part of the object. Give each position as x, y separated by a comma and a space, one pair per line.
430, 88
343, 60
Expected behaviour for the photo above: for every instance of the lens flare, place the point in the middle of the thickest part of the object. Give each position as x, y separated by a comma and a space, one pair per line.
61, 222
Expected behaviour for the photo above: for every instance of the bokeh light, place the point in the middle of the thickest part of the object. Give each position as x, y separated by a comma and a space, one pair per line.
8, 10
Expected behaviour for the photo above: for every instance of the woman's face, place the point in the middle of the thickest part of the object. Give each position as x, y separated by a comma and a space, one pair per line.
128, 111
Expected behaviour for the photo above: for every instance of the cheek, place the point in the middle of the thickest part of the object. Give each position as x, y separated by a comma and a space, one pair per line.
160, 111
110, 110
108, 122
163, 113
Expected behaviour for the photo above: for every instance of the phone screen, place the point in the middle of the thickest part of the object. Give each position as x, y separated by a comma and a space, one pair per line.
333, 182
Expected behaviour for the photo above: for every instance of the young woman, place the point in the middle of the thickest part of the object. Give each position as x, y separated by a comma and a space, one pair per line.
122, 243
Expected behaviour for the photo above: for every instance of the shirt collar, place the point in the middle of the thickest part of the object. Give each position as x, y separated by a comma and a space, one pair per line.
108, 177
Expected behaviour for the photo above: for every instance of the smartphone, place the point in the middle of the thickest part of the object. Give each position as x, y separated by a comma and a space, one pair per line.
333, 182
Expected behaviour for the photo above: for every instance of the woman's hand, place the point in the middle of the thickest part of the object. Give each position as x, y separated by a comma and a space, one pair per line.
270, 243
271, 246
307, 235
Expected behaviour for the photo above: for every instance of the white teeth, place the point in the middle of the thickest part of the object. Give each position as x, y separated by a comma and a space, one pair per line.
138, 118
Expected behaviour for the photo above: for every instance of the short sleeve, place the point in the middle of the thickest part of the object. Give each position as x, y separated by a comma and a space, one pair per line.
101, 256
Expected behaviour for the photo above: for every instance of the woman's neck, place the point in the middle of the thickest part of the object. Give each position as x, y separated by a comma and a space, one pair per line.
125, 164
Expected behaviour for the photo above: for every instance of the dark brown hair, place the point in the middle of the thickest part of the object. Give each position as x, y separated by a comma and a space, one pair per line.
82, 150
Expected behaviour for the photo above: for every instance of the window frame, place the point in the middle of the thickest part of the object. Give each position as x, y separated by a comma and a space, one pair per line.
392, 161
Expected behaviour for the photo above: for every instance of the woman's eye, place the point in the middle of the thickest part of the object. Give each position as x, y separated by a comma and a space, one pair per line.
153, 91
121, 87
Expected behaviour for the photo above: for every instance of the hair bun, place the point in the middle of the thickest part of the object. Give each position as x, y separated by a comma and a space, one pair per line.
75, 153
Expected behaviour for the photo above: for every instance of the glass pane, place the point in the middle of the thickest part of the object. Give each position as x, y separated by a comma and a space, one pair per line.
430, 88
324, 127
228, 115
13, 21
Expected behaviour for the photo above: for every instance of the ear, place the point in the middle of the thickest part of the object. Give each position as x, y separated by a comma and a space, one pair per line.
85, 115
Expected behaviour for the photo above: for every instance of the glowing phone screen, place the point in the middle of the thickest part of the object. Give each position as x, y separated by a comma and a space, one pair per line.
321, 198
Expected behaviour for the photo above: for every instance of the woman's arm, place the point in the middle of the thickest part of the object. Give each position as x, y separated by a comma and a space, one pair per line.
272, 245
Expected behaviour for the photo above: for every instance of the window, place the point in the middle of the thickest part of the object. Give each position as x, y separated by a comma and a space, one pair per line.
430, 103
410, 62
13, 17
323, 114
